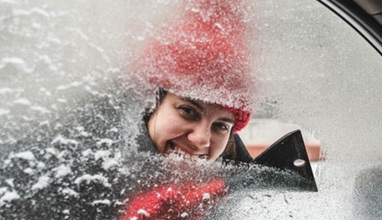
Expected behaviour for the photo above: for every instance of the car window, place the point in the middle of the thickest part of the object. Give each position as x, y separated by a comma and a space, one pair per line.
70, 115
318, 73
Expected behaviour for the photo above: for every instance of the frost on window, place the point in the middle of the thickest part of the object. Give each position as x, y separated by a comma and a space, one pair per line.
314, 74
62, 116
71, 111
71, 117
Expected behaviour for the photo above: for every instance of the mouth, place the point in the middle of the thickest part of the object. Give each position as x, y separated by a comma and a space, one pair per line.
174, 150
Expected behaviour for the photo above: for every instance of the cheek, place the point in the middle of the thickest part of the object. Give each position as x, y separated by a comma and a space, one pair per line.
217, 147
168, 126
160, 131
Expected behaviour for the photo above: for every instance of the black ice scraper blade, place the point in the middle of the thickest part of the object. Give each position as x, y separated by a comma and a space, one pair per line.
289, 153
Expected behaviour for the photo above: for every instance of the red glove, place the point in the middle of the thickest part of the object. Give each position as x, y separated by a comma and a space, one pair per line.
171, 201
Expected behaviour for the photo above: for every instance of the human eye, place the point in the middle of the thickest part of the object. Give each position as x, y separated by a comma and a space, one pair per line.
221, 127
188, 112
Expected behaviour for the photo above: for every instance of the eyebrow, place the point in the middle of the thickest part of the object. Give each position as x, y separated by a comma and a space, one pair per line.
229, 120
200, 107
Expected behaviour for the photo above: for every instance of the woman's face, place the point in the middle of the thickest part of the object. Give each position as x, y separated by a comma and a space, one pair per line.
191, 128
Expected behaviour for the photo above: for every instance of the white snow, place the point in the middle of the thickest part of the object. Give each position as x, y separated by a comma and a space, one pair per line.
110, 163
62, 140
87, 152
65, 87
10, 182
108, 142
104, 202
43, 181
62, 171
8, 197
82, 131
101, 154
3, 190
26, 155
143, 212
70, 192
41, 165
17, 62
92, 178
42, 123
29, 171
40, 109
22, 101
184, 215
51, 151
39, 11
85, 134
45, 91
5, 90
113, 129
206, 196
4, 111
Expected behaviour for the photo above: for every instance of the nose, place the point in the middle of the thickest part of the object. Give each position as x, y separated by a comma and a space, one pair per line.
200, 136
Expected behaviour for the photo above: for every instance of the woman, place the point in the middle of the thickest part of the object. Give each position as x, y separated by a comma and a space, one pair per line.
195, 129
201, 67
202, 59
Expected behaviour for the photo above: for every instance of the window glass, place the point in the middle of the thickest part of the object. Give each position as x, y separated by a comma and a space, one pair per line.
70, 114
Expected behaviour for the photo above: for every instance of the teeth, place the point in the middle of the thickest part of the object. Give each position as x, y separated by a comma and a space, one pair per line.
203, 157
194, 157
181, 153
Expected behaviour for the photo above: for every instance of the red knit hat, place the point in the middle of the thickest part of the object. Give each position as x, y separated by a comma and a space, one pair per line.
204, 55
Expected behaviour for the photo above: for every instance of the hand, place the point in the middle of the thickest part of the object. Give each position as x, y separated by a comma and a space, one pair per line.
171, 201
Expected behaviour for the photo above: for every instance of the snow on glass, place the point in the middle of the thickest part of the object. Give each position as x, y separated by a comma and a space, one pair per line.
70, 113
